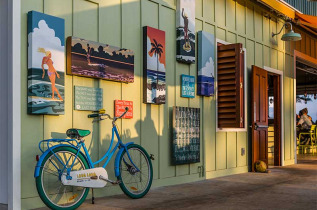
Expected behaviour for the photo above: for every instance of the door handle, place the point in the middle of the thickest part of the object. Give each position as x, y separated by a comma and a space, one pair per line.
263, 126
256, 126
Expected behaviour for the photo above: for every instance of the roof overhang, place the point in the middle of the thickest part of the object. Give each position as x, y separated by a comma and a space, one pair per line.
280, 7
308, 22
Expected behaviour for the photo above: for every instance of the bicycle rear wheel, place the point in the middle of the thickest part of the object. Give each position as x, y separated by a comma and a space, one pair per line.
134, 183
49, 185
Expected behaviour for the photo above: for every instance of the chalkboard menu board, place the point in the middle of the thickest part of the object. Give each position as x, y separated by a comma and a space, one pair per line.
87, 98
186, 135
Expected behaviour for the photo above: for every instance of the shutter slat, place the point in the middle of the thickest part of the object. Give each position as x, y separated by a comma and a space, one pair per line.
226, 71
226, 82
227, 105
227, 76
227, 93
226, 110
225, 54
227, 116
227, 87
226, 99
226, 60
226, 65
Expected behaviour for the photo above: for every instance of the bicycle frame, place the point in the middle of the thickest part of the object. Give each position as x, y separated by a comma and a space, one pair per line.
107, 156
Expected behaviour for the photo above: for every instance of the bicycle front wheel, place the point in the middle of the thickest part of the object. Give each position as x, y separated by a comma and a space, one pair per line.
49, 185
135, 178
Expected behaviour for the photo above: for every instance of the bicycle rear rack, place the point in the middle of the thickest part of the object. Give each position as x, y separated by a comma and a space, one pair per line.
48, 143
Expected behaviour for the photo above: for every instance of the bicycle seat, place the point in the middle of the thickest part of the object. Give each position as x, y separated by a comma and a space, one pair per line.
75, 133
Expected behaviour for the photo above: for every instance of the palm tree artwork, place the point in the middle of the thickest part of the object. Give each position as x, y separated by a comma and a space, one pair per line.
157, 49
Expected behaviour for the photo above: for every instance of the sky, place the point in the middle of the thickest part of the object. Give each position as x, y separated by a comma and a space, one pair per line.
189, 9
159, 36
46, 32
107, 48
206, 51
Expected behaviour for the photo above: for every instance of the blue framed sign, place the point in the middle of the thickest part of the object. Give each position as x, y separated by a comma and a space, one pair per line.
188, 86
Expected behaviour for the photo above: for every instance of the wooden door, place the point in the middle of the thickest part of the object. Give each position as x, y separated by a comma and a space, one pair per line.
259, 115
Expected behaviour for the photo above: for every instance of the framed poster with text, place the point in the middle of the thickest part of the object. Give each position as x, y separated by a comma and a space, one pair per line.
188, 86
186, 135
88, 98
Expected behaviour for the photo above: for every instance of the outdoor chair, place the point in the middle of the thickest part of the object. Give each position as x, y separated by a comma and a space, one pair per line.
312, 135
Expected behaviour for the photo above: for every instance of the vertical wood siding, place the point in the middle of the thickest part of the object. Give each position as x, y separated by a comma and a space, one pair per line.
119, 23
4, 85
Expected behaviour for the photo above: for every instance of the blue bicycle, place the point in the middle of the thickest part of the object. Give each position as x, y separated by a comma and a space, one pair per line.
65, 172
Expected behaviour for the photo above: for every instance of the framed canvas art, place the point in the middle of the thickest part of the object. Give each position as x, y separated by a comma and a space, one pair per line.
92, 59
206, 66
186, 135
185, 31
154, 86
46, 64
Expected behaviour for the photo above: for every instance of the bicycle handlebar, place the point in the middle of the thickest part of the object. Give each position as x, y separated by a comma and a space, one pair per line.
93, 115
114, 119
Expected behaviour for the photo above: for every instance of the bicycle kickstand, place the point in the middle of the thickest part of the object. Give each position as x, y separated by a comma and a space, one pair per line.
92, 197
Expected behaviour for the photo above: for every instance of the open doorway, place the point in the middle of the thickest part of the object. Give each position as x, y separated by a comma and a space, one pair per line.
274, 119
266, 123
306, 106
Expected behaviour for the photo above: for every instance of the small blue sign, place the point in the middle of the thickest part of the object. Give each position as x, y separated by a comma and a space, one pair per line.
188, 86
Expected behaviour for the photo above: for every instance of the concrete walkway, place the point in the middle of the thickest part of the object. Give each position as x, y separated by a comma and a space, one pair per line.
290, 187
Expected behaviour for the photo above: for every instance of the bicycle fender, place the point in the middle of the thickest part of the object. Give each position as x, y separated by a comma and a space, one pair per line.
117, 161
39, 163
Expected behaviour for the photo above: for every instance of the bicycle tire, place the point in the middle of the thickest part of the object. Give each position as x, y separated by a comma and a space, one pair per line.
124, 185
39, 180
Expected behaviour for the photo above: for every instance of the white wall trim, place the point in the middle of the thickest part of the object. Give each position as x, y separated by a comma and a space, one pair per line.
245, 129
14, 144
295, 125
275, 71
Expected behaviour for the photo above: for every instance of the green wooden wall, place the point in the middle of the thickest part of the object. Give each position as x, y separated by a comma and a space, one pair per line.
119, 23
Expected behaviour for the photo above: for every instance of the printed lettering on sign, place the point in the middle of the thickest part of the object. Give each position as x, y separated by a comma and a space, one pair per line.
119, 109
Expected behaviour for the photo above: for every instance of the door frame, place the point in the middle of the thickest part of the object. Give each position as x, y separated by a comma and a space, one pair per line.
280, 73
13, 61
303, 56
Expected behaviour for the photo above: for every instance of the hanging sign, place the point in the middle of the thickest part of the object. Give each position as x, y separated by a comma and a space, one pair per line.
119, 108
186, 135
87, 98
188, 86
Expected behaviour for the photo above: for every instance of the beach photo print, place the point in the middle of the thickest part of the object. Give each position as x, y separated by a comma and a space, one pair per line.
154, 64
46, 64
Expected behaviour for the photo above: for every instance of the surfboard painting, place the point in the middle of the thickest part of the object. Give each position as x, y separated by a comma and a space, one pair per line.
206, 66
46, 64
185, 31
154, 66
93, 59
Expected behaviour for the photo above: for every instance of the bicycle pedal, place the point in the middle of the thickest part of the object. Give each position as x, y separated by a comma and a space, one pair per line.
110, 181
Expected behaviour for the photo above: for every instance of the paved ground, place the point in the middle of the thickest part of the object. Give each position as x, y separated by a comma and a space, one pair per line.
291, 187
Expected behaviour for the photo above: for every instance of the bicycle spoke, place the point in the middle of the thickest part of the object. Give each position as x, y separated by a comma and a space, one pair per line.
59, 194
136, 182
